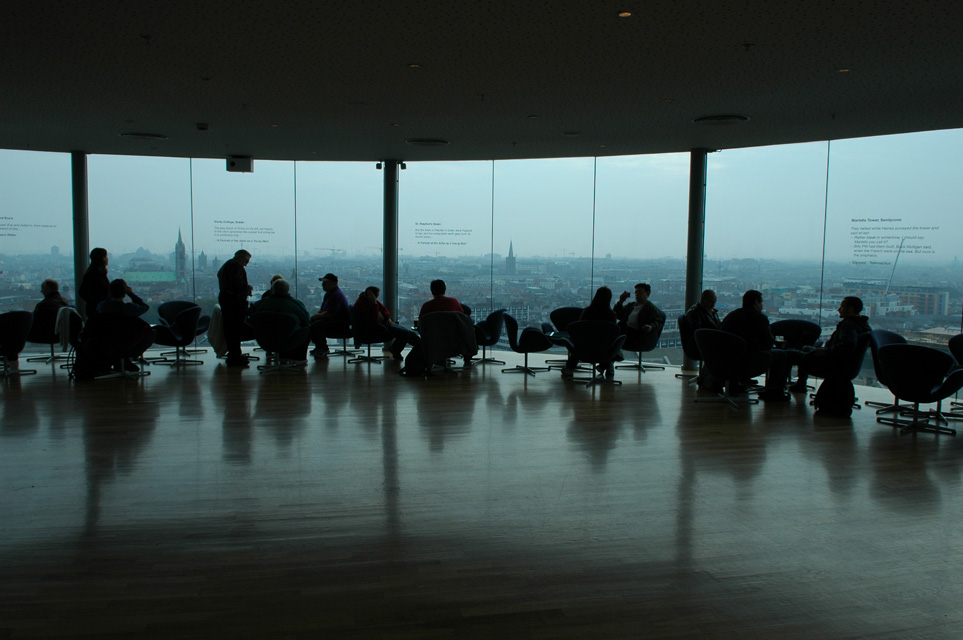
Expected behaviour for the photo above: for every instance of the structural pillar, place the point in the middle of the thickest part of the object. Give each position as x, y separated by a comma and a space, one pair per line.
390, 245
78, 185
697, 233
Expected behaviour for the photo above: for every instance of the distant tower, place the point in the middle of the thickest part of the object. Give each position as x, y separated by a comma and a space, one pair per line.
180, 259
202, 262
510, 260
55, 250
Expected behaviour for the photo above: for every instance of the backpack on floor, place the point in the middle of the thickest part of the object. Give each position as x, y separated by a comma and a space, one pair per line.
414, 364
835, 397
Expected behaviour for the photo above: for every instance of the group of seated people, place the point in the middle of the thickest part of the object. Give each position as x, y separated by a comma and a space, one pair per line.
752, 325
336, 318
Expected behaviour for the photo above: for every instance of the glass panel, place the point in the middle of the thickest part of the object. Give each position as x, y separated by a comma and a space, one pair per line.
339, 226
543, 214
445, 224
895, 223
641, 222
764, 227
36, 227
140, 211
252, 211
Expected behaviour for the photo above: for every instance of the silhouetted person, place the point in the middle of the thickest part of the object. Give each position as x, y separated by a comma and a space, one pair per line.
95, 283
333, 314
234, 292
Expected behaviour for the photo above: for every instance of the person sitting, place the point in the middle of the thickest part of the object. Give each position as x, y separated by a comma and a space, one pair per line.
281, 301
821, 361
368, 311
439, 301
44, 328
267, 293
598, 309
638, 318
116, 333
703, 314
752, 325
333, 314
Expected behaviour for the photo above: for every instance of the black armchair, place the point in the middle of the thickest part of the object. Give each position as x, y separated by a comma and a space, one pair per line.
557, 330
796, 334
724, 355
177, 331
14, 329
920, 375
64, 319
277, 333
487, 334
879, 338
595, 341
689, 348
643, 343
531, 340
374, 334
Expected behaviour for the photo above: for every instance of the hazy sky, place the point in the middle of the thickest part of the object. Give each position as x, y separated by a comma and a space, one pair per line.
766, 202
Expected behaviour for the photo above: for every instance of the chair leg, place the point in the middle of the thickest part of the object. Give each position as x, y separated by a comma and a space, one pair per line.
122, 372
370, 359
344, 350
640, 366
6, 371
733, 401
524, 368
179, 359
485, 359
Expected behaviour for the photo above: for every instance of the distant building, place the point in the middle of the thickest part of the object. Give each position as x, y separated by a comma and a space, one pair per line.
510, 260
180, 259
202, 262
55, 250
925, 300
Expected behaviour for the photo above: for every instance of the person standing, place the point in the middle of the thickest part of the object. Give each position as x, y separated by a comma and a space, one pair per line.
95, 284
234, 292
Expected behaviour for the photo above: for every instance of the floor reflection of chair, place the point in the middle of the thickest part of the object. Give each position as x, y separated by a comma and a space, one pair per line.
595, 342
531, 340
920, 375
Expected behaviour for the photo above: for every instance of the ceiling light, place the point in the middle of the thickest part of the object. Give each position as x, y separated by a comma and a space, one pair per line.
722, 119
426, 142
571, 134
625, 14
138, 135
533, 117
844, 70
414, 65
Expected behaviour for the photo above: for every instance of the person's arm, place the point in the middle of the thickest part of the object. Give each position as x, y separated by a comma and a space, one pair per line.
138, 304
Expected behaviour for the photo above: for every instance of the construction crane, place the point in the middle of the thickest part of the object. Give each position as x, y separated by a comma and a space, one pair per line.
332, 250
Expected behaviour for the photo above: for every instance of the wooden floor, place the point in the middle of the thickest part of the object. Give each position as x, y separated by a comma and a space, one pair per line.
348, 502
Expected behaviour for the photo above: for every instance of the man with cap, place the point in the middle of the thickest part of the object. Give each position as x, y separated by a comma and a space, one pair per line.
332, 314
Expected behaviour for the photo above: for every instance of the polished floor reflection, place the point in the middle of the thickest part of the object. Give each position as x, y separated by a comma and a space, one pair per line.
346, 501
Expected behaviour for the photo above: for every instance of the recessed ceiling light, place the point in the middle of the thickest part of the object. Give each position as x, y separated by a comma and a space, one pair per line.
426, 142
275, 126
533, 117
395, 124
668, 101
722, 119
414, 65
844, 70
139, 135
625, 14
601, 146
571, 134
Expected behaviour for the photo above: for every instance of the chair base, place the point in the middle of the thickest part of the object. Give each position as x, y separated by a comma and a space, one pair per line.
53, 357
123, 373
640, 366
596, 379
370, 359
180, 359
920, 422
733, 401
11, 372
273, 363
484, 360
344, 351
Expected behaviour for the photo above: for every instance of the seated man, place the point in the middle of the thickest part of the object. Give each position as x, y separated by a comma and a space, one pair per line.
439, 301
638, 318
116, 332
821, 361
45, 313
281, 301
752, 325
332, 314
703, 314
369, 311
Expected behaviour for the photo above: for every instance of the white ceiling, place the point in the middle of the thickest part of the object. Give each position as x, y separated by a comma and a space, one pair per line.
330, 80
